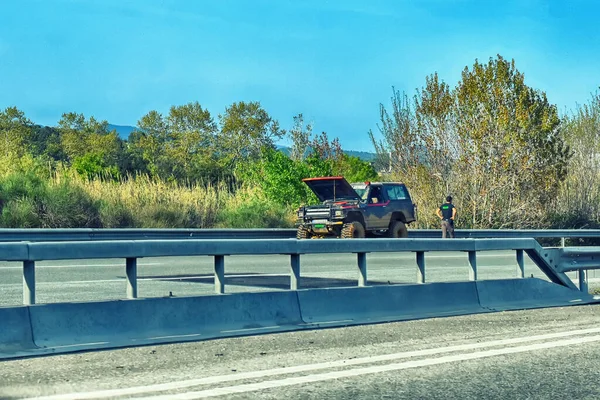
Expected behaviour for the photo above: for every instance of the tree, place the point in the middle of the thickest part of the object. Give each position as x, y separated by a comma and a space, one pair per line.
329, 153
45, 141
578, 201
401, 144
92, 165
493, 141
181, 145
435, 126
325, 149
81, 137
15, 132
354, 169
147, 144
192, 133
300, 136
245, 130
278, 177
512, 155
402, 152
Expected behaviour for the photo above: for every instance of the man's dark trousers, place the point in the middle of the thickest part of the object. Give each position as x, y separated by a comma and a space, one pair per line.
447, 228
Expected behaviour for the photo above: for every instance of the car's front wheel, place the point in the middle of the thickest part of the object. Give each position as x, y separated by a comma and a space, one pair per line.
353, 230
303, 233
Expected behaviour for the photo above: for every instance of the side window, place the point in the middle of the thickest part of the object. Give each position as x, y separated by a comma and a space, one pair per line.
396, 192
375, 195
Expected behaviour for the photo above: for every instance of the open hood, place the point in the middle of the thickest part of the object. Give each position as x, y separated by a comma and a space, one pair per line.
332, 188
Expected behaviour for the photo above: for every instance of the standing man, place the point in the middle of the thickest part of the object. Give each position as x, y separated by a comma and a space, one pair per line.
447, 212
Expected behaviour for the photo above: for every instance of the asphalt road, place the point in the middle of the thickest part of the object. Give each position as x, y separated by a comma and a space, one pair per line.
534, 354
92, 280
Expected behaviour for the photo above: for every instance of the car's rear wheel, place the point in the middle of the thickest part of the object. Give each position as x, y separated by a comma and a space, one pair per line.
303, 233
353, 230
398, 230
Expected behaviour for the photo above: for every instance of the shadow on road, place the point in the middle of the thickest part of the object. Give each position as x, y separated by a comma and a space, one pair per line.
281, 282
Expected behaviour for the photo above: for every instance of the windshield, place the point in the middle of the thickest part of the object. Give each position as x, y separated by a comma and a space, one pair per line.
362, 193
361, 189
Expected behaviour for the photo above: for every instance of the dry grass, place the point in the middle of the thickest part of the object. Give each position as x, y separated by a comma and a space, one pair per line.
141, 201
144, 202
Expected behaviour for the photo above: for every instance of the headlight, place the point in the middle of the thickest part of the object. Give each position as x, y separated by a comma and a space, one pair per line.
339, 213
300, 214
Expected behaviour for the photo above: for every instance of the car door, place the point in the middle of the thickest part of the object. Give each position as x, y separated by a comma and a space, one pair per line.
376, 208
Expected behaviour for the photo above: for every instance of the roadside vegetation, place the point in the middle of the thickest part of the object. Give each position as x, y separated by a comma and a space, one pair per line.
498, 146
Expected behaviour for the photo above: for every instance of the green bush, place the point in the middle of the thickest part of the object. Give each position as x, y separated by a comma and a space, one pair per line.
116, 215
19, 200
28, 201
20, 213
168, 215
68, 206
16, 186
93, 165
355, 170
280, 178
161, 217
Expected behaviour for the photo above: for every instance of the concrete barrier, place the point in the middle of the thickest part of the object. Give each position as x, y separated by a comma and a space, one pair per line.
514, 294
15, 331
68, 327
77, 326
348, 306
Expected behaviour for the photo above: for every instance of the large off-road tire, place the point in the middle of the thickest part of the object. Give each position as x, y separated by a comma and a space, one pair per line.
353, 230
303, 233
398, 230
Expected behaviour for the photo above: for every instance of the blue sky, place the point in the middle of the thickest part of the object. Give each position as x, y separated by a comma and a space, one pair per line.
333, 61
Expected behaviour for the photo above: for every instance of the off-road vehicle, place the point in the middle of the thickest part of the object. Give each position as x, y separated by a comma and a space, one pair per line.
356, 210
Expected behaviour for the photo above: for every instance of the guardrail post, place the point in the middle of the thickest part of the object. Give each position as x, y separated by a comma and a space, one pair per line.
472, 265
577, 272
362, 268
294, 271
28, 283
131, 273
220, 274
520, 264
583, 284
420, 267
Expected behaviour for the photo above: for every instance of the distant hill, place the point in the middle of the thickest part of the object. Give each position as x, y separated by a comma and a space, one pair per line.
122, 130
363, 155
125, 130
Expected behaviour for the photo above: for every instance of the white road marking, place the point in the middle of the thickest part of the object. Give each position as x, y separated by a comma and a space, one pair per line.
66, 346
252, 387
63, 283
262, 328
345, 363
78, 266
175, 336
204, 276
166, 278
428, 255
322, 323
378, 256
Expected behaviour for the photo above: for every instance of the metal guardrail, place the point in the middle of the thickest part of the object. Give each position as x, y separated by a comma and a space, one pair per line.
510, 233
31, 252
579, 259
81, 234
92, 234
